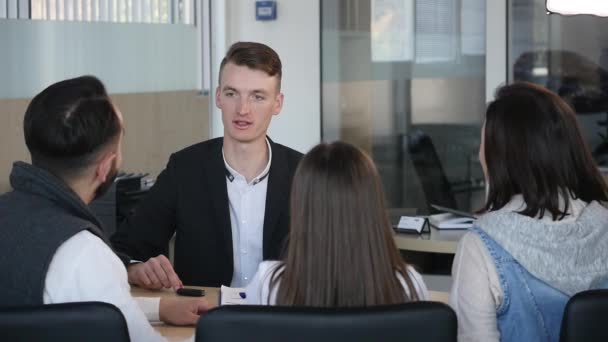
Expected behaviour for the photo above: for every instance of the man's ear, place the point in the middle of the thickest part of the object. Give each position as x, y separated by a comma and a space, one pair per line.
218, 102
278, 104
104, 167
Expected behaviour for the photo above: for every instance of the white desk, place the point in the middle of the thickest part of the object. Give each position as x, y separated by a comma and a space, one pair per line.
437, 241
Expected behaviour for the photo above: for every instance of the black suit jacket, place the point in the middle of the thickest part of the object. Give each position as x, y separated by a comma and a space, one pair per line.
190, 198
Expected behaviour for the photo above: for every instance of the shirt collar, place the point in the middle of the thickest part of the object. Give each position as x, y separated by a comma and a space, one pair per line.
231, 173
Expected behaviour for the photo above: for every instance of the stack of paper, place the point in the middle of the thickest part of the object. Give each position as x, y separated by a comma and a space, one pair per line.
450, 221
232, 295
451, 218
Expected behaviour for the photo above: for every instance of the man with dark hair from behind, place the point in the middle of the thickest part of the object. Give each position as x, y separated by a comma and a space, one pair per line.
53, 247
224, 199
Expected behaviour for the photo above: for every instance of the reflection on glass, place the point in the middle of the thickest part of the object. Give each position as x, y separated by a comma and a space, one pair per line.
392, 30
549, 50
405, 81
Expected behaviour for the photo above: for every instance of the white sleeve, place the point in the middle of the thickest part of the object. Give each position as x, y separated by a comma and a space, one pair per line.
419, 285
85, 269
258, 289
253, 290
476, 292
150, 306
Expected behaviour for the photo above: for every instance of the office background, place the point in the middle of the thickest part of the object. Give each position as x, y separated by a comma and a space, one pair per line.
406, 80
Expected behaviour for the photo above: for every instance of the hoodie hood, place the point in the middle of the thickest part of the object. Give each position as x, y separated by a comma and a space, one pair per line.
570, 255
36, 181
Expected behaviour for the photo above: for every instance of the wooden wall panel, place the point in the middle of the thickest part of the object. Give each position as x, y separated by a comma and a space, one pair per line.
156, 124
12, 144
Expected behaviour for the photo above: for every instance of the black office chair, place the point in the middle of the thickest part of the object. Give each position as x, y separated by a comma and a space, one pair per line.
416, 321
80, 321
427, 164
585, 317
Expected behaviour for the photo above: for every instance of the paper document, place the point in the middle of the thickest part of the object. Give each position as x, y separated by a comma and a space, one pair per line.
451, 221
232, 295
409, 224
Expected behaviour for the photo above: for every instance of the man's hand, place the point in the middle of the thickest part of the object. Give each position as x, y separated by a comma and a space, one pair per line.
182, 311
155, 274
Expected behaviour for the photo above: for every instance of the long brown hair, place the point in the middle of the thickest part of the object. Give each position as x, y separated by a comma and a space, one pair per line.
341, 250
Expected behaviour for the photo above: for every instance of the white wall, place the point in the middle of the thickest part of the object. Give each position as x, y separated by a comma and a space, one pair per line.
295, 36
496, 46
127, 57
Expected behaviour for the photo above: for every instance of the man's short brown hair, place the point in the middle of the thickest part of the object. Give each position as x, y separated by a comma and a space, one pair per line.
256, 56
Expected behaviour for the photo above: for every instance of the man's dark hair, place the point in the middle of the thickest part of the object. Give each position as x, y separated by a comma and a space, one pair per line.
68, 124
256, 56
534, 147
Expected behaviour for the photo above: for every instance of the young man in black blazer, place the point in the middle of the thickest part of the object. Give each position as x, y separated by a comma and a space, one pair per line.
226, 199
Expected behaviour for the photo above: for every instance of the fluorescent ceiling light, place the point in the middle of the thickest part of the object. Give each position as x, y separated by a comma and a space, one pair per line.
572, 7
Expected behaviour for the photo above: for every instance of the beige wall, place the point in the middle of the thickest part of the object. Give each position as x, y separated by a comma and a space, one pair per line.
12, 145
361, 110
448, 101
157, 124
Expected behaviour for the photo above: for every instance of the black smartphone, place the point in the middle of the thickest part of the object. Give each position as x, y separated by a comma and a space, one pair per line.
190, 292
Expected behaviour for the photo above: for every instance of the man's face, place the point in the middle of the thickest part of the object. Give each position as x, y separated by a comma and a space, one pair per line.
116, 162
105, 186
122, 133
482, 152
248, 99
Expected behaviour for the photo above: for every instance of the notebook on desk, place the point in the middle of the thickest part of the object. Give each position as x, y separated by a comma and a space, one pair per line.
451, 218
232, 295
394, 214
404, 220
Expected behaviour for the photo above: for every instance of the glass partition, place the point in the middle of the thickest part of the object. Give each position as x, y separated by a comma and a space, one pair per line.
567, 54
405, 81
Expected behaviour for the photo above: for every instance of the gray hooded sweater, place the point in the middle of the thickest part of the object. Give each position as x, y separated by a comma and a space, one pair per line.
571, 256
37, 217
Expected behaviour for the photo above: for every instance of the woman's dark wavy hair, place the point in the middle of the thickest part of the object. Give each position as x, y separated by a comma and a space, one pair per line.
534, 147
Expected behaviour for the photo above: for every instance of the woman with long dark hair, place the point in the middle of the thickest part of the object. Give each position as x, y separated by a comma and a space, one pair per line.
341, 251
544, 234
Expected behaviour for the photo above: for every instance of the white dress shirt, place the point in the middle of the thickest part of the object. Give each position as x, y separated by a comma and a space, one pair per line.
247, 202
86, 269
258, 291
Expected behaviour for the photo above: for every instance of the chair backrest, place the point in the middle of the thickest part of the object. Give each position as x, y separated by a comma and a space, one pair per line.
427, 164
585, 317
79, 321
416, 321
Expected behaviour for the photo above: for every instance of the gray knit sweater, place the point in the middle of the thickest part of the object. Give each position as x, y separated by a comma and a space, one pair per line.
571, 256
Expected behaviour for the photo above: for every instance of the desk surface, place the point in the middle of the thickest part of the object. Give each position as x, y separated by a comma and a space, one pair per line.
173, 333
170, 332
436, 241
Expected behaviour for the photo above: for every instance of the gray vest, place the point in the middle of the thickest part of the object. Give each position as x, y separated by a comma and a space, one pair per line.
39, 215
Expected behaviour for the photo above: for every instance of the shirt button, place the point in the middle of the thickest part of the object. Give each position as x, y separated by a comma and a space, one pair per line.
246, 278
244, 251
244, 221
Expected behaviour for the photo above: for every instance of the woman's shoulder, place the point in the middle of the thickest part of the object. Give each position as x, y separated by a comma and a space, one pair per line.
265, 271
417, 281
258, 291
268, 265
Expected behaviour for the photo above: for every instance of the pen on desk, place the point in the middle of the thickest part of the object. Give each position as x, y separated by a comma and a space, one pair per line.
243, 295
